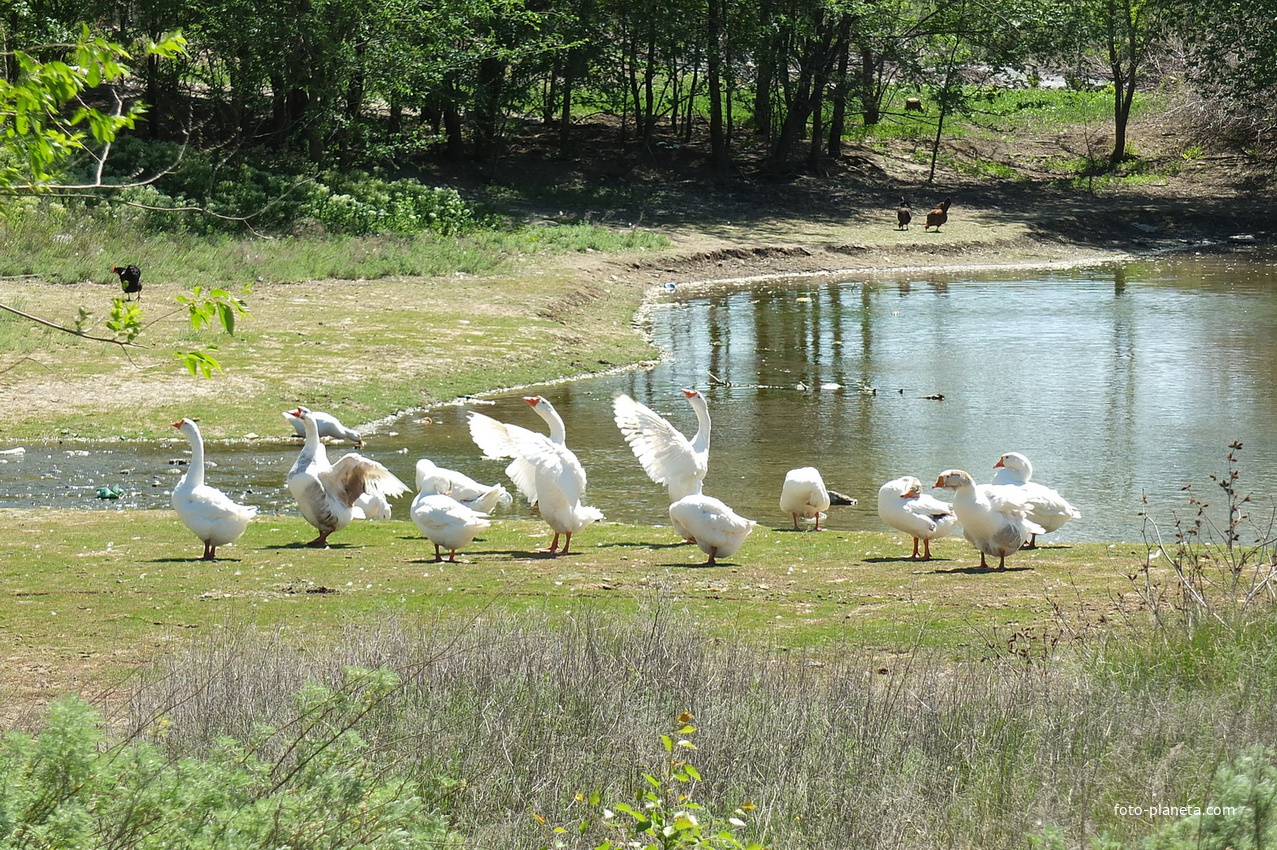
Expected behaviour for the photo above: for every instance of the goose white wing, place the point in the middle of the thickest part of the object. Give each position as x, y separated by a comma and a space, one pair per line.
1007, 499
934, 516
495, 439
1047, 507
557, 470
499, 440
665, 454
354, 475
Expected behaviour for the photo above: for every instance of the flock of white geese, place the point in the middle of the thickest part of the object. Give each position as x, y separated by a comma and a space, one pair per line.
450, 508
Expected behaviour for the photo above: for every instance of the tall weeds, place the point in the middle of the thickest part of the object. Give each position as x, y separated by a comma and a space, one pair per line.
508, 719
1222, 562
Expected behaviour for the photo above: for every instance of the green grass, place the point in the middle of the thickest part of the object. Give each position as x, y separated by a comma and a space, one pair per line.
114, 586
84, 246
362, 347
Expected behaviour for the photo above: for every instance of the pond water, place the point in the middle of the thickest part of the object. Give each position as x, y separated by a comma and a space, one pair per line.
1120, 383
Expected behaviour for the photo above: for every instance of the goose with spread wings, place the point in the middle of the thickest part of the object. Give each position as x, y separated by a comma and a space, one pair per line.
327, 493
542, 468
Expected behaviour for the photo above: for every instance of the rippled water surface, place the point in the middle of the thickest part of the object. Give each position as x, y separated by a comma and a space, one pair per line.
1119, 383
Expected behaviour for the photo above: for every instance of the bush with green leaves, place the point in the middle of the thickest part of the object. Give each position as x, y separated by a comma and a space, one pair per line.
368, 205
280, 194
1240, 813
68, 787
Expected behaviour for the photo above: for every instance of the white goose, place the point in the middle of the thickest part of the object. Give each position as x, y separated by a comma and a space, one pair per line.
668, 457
329, 426
447, 522
994, 517
327, 492
205, 510
716, 529
903, 506
479, 497
543, 469
372, 506
804, 495
1046, 506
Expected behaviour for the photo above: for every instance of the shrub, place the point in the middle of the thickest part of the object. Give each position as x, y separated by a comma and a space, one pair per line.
64, 787
279, 195
1240, 813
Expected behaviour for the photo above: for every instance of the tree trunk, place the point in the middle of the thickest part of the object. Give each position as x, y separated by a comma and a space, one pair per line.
487, 108
870, 104
765, 78
838, 116
718, 153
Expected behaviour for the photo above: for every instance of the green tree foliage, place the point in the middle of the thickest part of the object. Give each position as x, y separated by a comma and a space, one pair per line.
351, 84
46, 126
1230, 53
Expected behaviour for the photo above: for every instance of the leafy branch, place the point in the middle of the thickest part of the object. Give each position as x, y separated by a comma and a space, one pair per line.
44, 123
663, 816
78, 330
213, 308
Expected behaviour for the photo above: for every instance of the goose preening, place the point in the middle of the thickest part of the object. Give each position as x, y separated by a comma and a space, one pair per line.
327, 492
713, 526
130, 280
543, 469
372, 506
1046, 506
668, 457
903, 506
479, 497
205, 510
994, 517
804, 495
329, 426
446, 522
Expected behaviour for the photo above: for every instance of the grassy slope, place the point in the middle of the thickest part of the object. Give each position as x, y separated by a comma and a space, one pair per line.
359, 349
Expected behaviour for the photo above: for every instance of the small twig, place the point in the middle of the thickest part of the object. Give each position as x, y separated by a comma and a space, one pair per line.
14, 365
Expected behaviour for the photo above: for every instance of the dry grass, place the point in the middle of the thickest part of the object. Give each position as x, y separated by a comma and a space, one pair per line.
508, 716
